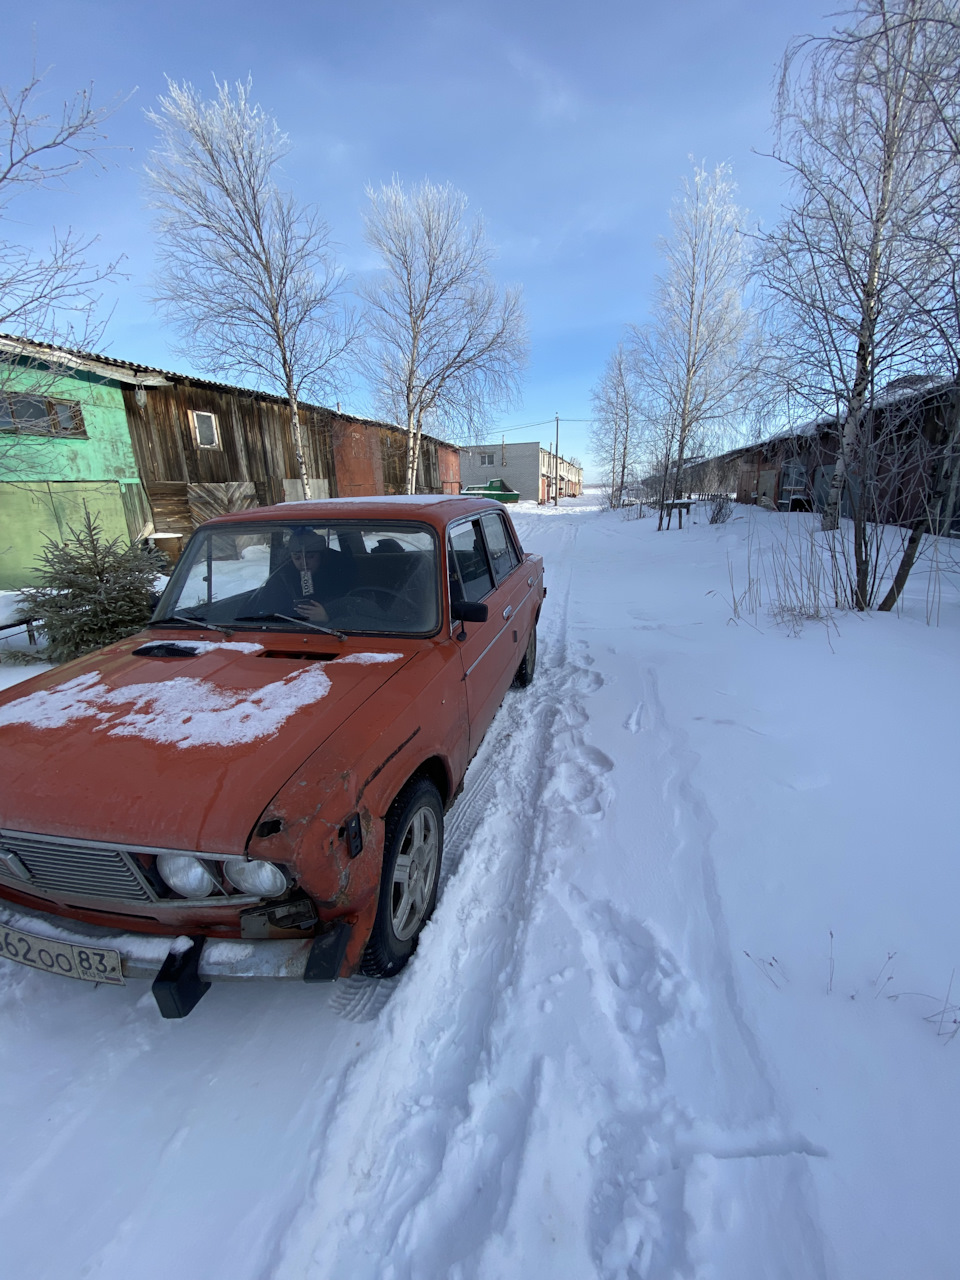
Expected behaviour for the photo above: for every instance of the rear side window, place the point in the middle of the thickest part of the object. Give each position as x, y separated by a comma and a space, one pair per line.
470, 561
503, 553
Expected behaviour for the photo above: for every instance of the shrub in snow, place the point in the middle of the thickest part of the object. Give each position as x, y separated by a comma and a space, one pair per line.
90, 592
720, 508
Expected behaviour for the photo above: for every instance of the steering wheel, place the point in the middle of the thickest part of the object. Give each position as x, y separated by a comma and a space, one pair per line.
392, 596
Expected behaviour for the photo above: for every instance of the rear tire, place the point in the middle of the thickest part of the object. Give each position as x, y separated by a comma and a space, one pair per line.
412, 851
528, 666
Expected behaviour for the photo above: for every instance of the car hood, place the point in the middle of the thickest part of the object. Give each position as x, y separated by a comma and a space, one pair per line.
175, 743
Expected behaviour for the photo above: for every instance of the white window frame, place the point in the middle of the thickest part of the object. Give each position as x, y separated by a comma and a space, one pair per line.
194, 414
488, 459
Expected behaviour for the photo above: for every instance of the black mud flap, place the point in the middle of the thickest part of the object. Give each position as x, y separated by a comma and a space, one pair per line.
326, 954
178, 987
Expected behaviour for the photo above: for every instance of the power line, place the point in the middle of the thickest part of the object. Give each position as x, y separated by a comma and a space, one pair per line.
548, 422
525, 426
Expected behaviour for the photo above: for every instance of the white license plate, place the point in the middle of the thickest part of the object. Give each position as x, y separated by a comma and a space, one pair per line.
91, 964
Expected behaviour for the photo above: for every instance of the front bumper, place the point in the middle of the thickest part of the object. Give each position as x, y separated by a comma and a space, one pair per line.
142, 955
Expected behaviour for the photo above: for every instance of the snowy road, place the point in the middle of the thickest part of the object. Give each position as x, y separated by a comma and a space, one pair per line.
564, 1083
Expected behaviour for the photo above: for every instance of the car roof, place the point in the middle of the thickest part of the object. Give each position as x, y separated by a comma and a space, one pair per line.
437, 509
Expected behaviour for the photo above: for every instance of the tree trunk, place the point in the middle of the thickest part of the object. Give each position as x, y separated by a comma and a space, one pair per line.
863, 560
849, 438
623, 451
298, 440
414, 432
907, 561
614, 497
939, 515
663, 493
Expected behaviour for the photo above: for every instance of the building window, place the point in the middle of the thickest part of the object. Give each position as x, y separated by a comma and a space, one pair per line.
486, 459
205, 429
40, 416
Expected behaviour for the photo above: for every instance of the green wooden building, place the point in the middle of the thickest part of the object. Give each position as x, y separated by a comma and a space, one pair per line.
64, 445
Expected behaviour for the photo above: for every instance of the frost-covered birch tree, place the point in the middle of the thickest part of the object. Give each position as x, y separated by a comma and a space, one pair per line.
446, 345
615, 435
695, 359
247, 273
850, 265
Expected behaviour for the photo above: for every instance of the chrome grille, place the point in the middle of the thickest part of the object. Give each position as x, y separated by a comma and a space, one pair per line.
74, 867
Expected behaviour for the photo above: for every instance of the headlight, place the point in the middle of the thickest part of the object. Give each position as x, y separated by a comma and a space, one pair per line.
186, 875
263, 879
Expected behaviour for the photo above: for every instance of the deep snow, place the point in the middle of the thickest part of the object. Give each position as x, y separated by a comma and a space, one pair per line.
682, 1010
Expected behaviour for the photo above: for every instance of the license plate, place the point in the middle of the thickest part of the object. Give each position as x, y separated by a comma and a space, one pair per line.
91, 964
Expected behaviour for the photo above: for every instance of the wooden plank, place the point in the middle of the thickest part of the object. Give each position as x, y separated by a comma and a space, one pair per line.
209, 500
170, 507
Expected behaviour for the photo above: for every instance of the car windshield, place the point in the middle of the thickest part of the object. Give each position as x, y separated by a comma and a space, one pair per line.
343, 576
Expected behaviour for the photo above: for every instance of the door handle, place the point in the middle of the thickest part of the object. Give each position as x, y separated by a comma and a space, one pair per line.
507, 611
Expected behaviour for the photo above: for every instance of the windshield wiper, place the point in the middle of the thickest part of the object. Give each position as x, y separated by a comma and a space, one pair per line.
298, 622
184, 620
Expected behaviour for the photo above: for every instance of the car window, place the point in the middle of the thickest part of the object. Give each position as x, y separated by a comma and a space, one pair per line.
353, 576
470, 571
503, 554
226, 565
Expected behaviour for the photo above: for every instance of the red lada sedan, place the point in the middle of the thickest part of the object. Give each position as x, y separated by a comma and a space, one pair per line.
255, 785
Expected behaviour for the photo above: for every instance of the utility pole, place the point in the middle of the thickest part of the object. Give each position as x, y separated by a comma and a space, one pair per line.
556, 465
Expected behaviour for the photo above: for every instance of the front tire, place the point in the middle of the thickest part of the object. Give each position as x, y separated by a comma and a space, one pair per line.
413, 848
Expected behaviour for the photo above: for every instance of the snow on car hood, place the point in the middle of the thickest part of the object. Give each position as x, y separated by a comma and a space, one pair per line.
183, 711
179, 751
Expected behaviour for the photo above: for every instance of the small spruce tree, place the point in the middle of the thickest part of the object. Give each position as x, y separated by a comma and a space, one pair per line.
90, 592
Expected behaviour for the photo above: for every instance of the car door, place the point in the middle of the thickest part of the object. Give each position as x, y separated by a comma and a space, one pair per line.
486, 565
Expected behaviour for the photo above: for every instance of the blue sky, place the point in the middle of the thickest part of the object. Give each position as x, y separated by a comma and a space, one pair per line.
568, 125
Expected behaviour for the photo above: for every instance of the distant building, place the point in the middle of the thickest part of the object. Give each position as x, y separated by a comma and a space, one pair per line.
910, 439
153, 453
532, 471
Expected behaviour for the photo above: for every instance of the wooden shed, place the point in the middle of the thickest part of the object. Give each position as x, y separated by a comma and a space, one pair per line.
201, 448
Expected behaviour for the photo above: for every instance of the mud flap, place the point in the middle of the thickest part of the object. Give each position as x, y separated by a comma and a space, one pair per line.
178, 987
326, 954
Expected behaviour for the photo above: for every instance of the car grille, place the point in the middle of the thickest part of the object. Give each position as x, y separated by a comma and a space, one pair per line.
74, 867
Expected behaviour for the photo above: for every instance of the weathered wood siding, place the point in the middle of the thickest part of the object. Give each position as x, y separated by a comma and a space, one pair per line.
255, 438
448, 459
255, 464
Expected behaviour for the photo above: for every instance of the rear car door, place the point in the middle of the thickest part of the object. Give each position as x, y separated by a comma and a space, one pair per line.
486, 565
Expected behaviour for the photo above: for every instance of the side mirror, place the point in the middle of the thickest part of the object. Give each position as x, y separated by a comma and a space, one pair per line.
468, 611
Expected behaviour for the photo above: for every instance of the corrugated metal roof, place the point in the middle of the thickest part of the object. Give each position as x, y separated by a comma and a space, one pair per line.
147, 375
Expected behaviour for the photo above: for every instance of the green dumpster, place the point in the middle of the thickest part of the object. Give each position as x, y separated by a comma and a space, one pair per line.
497, 488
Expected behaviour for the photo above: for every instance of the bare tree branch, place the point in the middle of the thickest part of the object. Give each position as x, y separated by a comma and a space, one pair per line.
858, 261
446, 346
616, 433
248, 275
696, 361
48, 297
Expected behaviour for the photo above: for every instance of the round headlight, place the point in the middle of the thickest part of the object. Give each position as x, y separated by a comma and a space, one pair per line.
263, 879
186, 875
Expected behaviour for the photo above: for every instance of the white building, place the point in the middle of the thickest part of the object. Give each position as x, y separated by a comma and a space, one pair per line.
532, 471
